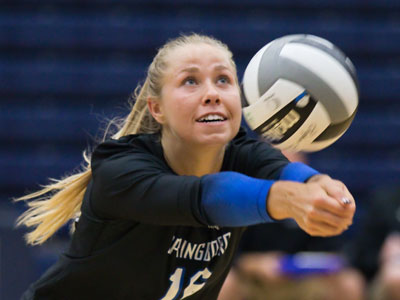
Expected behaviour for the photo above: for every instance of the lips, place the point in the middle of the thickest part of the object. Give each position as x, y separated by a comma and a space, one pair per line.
212, 117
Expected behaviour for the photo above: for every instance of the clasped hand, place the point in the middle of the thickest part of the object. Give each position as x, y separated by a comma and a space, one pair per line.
321, 207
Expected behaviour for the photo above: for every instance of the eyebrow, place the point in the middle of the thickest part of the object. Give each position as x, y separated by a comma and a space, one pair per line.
221, 67
196, 69
190, 70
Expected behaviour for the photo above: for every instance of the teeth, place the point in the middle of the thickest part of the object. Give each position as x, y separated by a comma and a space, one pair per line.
211, 118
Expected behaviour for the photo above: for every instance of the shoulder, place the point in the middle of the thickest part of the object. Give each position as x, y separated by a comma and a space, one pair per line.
141, 142
246, 139
130, 147
254, 157
246, 144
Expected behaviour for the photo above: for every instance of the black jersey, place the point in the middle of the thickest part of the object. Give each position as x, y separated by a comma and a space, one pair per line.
143, 234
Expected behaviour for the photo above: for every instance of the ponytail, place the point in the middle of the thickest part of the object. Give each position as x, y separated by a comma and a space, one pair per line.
58, 202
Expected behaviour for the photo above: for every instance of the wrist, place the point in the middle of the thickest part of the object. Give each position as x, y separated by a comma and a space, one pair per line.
280, 199
297, 171
316, 177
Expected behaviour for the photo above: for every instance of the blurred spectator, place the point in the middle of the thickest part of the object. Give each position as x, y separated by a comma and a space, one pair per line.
376, 249
279, 261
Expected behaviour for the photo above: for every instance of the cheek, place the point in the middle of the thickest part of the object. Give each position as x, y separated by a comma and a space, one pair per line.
238, 116
236, 105
236, 111
178, 110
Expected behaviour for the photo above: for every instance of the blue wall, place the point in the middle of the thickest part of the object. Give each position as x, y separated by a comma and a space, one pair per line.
68, 66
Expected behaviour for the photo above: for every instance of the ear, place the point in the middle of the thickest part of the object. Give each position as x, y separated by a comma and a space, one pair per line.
155, 108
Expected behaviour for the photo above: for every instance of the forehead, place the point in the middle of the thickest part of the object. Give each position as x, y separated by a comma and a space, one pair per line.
199, 53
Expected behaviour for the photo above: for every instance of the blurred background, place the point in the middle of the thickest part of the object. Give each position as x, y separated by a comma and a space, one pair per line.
66, 67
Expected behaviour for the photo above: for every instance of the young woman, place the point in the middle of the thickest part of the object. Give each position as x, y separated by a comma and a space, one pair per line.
162, 205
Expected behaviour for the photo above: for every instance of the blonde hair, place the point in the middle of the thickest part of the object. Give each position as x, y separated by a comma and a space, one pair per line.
60, 201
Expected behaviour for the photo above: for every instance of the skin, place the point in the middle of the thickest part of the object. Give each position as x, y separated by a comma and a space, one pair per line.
199, 80
317, 206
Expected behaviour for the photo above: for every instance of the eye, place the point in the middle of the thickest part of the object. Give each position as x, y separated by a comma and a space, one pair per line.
223, 79
189, 81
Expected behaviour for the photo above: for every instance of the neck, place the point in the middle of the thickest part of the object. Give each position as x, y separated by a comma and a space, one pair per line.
193, 160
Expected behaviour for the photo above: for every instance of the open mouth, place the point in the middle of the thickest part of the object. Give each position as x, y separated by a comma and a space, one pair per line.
211, 118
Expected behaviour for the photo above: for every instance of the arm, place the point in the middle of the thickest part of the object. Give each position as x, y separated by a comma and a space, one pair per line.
232, 198
317, 205
133, 187
136, 185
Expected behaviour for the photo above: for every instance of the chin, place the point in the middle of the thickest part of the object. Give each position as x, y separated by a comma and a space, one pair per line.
215, 139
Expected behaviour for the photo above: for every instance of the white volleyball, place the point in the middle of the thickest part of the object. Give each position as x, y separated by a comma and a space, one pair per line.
300, 92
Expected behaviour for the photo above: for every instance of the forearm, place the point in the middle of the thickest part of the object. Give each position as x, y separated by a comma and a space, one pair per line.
281, 203
234, 199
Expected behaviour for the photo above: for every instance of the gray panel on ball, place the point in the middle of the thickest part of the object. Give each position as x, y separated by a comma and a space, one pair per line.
317, 88
272, 63
334, 130
269, 63
334, 52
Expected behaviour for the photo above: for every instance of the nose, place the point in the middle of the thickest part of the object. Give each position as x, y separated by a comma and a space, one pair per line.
211, 95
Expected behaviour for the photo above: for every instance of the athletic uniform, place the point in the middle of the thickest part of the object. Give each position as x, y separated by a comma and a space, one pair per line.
146, 233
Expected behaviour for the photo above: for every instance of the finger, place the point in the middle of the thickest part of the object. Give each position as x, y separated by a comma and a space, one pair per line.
324, 216
333, 206
328, 194
347, 199
348, 204
344, 198
339, 191
323, 229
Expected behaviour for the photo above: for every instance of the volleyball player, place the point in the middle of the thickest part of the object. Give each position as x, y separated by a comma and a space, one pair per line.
162, 205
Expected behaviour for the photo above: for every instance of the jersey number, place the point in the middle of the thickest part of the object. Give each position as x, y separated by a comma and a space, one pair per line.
197, 281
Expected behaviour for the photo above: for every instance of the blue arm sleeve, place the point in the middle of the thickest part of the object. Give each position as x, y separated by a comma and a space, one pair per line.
297, 171
234, 199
